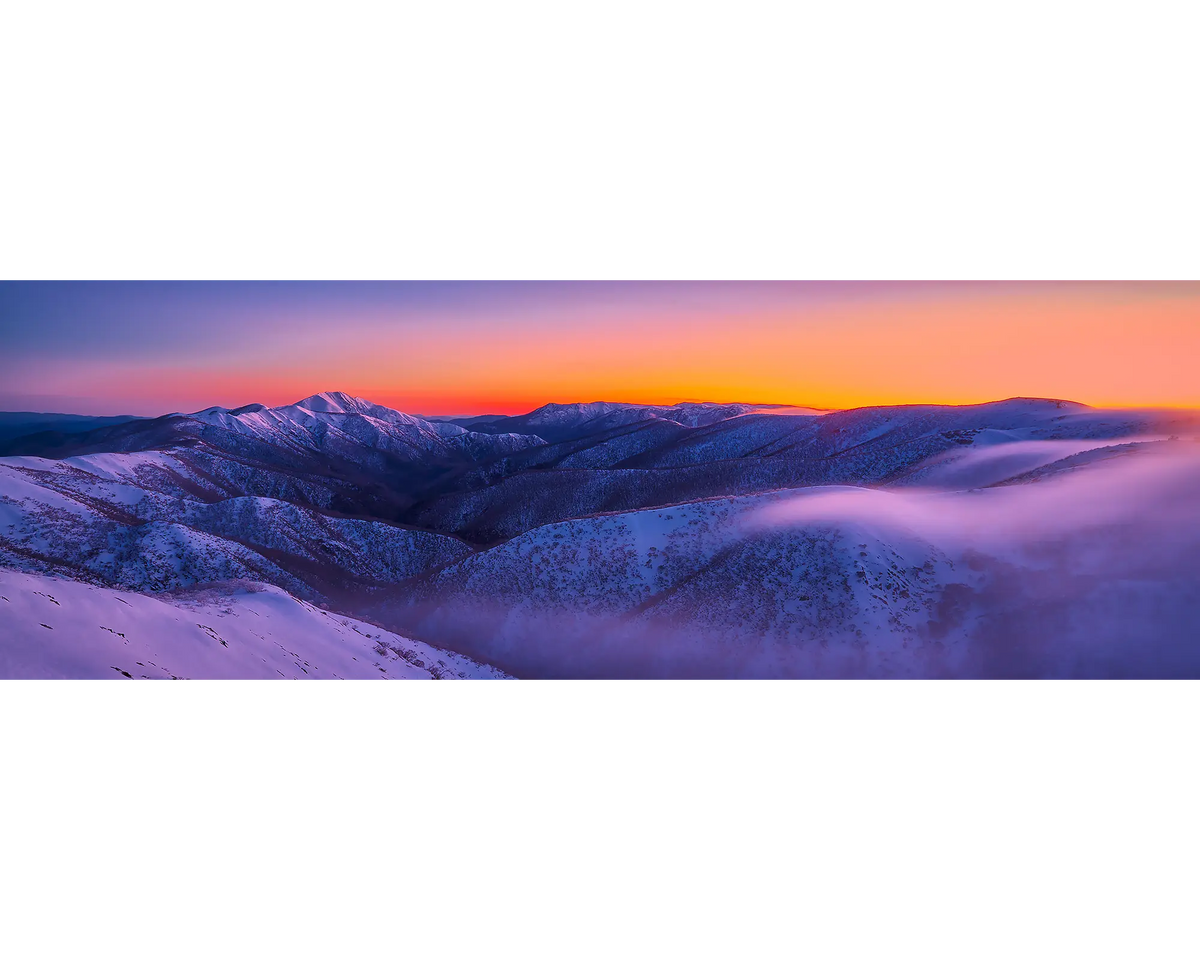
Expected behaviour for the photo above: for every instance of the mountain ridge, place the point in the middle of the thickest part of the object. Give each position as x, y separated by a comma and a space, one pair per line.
618, 528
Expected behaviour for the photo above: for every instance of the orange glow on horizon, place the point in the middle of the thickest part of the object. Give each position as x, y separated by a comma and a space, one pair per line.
957, 347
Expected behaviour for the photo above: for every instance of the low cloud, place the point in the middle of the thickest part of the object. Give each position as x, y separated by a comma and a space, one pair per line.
1090, 573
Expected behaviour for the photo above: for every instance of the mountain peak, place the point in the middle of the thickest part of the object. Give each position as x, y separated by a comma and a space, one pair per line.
336, 404
334, 401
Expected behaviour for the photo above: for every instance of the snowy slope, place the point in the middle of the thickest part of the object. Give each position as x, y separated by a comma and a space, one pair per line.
318, 431
53, 628
339, 423
560, 421
1090, 568
624, 541
132, 520
672, 590
657, 462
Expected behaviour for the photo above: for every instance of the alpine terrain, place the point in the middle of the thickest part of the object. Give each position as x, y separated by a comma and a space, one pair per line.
335, 537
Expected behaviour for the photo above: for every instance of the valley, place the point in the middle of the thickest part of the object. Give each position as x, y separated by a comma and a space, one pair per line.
618, 540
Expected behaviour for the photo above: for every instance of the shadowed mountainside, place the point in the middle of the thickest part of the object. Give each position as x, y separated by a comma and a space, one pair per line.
620, 540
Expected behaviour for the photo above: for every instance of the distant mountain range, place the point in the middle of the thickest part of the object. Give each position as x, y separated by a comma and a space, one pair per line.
15, 425
578, 539
561, 421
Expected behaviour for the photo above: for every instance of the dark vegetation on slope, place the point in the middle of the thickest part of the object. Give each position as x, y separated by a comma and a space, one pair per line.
579, 466
443, 529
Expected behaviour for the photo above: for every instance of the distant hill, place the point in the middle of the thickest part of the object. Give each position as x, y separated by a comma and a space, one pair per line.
554, 422
470, 423
14, 425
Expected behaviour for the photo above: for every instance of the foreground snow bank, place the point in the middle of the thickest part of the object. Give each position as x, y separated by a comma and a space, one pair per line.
53, 628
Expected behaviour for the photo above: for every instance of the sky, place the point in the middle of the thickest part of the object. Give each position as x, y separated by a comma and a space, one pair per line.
465, 348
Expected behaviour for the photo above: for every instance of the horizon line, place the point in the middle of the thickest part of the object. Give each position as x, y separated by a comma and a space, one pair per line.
627, 403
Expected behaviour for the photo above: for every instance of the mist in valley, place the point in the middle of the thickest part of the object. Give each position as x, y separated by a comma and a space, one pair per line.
1089, 572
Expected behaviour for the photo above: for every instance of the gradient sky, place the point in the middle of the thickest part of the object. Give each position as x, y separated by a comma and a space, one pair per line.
456, 348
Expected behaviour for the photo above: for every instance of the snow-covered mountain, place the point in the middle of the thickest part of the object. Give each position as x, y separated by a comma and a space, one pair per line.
151, 521
560, 421
354, 429
1090, 570
616, 539
655, 462
690, 589
332, 426
316, 414
53, 627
